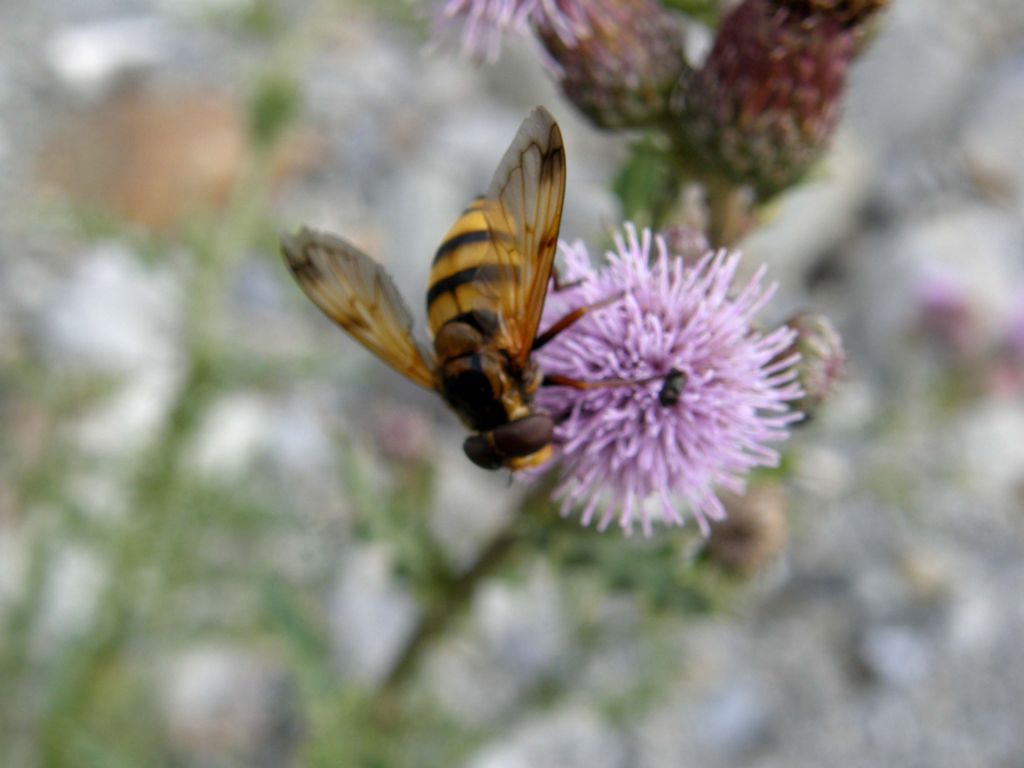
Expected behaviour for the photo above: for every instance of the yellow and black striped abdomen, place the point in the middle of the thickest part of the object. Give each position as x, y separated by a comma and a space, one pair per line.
465, 273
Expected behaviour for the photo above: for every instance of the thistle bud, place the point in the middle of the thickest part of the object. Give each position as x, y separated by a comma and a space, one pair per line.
622, 73
848, 12
688, 243
947, 317
766, 102
753, 532
822, 359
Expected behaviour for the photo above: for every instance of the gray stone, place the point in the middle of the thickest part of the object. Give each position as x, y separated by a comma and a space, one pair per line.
910, 83
74, 582
992, 137
470, 505
300, 444
990, 447
227, 705
236, 431
113, 315
90, 57
468, 683
569, 738
519, 638
813, 218
371, 615
976, 619
735, 720
978, 246
13, 563
525, 624
895, 655
124, 423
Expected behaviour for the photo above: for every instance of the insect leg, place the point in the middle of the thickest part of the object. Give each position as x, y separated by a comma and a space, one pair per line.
559, 286
557, 380
564, 322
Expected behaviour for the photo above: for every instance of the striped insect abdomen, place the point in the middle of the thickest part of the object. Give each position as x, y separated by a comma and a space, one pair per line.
465, 273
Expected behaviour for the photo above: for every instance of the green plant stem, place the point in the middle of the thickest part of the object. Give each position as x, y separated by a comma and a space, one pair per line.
457, 591
456, 594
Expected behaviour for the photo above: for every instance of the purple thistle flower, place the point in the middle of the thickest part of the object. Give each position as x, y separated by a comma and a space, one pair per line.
483, 22
1015, 333
717, 390
945, 313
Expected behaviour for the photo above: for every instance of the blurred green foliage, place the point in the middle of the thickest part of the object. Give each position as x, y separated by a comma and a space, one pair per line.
705, 11
272, 107
649, 182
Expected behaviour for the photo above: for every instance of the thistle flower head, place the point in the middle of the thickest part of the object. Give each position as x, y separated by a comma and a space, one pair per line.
822, 359
710, 391
622, 73
755, 531
484, 22
849, 12
766, 102
945, 314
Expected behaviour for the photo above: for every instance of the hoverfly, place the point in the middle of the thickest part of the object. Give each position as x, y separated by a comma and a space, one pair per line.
488, 282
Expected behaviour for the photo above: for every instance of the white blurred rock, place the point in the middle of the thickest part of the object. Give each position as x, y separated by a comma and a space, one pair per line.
90, 57
470, 504
371, 615
13, 561
623, 647
526, 624
101, 496
895, 655
992, 138
222, 703
112, 315
975, 620
124, 423
75, 579
990, 445
823, 471
976, 245
300, 442
245, 429
237, 429
468, 683
735, 720
815, 216
569, 738
909, 79
697, 42
204, 7
851, 406
5, 145
520, 636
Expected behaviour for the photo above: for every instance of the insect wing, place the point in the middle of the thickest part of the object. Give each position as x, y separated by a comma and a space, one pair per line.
524, 213
359, 295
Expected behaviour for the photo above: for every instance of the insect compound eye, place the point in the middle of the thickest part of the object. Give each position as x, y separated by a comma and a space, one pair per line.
481, 453
525, 436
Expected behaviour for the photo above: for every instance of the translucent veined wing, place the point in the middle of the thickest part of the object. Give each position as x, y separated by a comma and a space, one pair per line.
355, 292
525, 201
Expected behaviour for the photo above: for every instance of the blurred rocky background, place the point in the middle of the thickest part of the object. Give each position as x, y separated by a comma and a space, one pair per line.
221, 520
